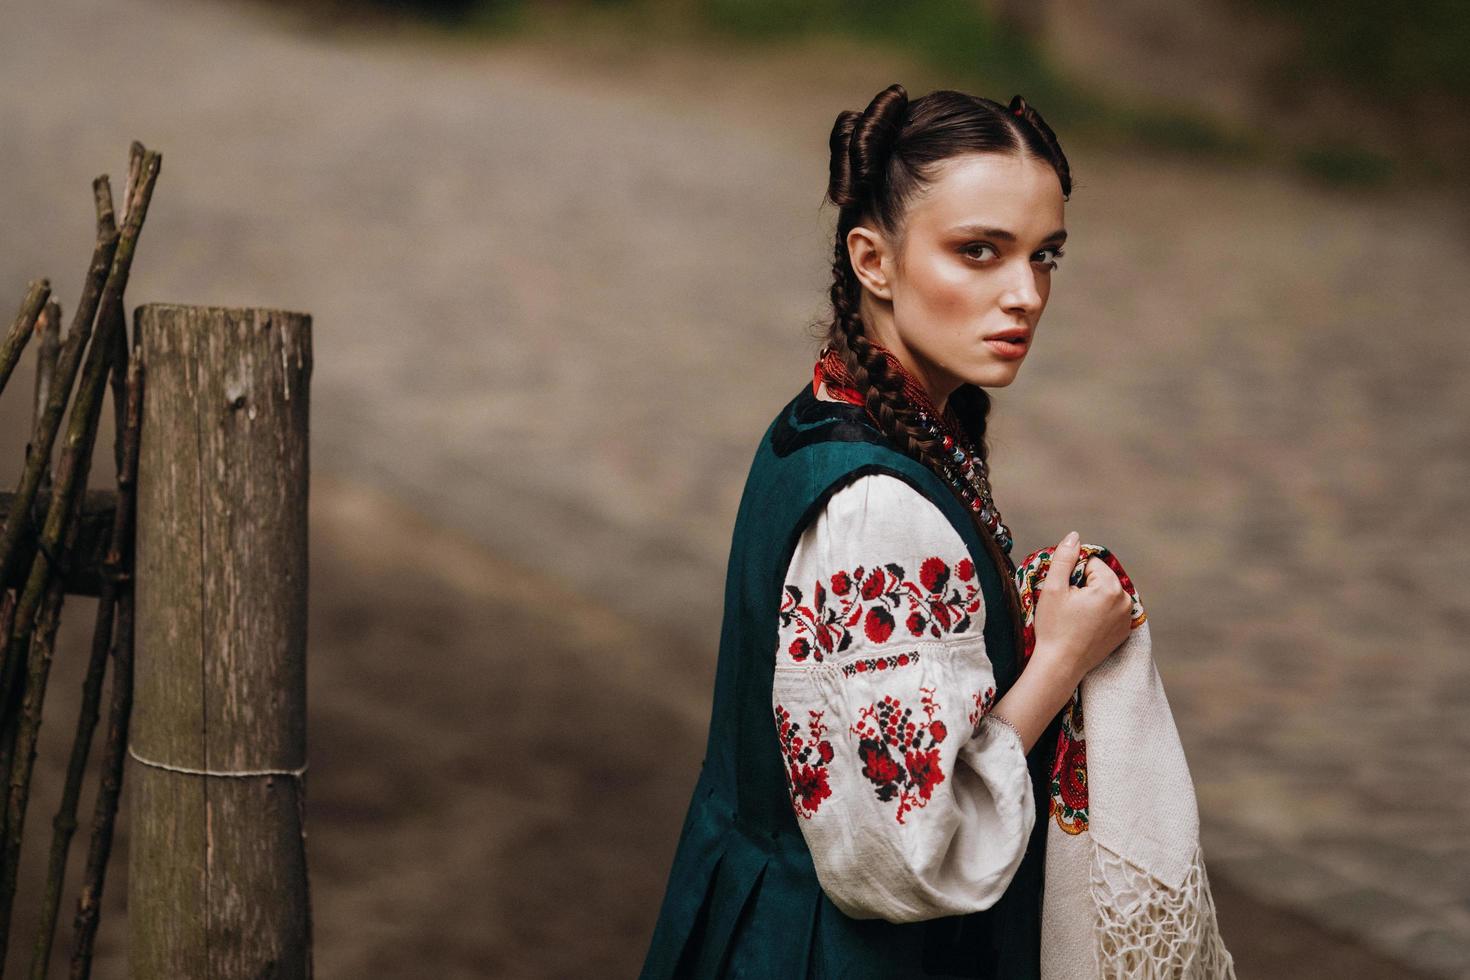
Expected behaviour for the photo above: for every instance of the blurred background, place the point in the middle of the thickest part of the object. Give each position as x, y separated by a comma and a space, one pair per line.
564, 261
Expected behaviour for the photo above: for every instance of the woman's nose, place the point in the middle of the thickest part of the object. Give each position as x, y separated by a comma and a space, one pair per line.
1022, 296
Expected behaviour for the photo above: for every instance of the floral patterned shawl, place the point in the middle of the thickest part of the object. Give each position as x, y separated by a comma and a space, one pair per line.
1126, 891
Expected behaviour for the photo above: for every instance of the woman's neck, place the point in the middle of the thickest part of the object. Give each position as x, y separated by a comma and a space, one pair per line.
936, 382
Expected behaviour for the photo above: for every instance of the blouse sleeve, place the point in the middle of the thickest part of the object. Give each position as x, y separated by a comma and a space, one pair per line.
913, 803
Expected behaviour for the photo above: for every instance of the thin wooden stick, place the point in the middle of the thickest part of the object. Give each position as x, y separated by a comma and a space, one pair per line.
93, 378
59, 533
38, 470
15, 341
50, 328
45, 376
115, 573
23, 756
50, 349
136, 153
104, 815
7, 734
7, 609
67, 364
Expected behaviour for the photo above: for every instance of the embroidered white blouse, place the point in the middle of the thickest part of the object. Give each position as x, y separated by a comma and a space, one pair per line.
914, 805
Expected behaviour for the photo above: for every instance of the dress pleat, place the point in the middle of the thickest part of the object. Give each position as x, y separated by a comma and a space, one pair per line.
696, 870
774, 936
736, 881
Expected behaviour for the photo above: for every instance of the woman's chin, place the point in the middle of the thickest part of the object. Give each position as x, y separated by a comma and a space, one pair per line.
996, 375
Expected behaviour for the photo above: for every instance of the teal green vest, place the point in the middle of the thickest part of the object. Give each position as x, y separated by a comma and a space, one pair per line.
742, 898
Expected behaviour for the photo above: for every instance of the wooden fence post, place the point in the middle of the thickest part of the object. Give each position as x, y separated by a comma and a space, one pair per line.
217, 863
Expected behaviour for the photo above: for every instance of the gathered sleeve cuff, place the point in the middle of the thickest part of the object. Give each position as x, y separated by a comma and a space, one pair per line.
913, 803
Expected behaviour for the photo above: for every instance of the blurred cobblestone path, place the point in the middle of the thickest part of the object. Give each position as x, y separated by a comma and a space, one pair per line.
556, 302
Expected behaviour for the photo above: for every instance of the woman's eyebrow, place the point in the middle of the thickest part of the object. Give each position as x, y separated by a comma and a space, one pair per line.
1060, 235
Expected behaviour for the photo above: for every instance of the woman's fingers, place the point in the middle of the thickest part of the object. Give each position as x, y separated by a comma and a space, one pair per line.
1089, 571
1100, 572
1096, 617
1063, 560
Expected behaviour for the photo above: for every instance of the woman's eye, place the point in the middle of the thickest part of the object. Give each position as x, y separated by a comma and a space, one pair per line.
970, 250
1048, 257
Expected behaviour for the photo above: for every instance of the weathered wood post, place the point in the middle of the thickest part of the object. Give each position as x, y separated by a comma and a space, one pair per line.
217, 866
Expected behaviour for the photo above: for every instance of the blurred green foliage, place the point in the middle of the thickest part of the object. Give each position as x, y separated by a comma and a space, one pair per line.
448, 13
956, 38
1164, 128
1394, 51
962, 43
457, 16
1345, 164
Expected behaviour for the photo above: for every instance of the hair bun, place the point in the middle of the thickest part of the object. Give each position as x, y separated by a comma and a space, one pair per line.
862, 143
840, 189
1023, 110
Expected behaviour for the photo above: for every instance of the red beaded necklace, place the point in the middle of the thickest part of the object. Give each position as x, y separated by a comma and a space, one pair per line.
964, 469
833, 370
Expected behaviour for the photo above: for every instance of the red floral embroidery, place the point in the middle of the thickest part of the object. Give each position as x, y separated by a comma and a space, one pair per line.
841, 583
1069, 773
900, 755
1069, 762
934, 574
941, 601
806, 760
878, 624
984, 701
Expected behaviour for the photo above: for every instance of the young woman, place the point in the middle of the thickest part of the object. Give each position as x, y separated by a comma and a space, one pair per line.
870, 804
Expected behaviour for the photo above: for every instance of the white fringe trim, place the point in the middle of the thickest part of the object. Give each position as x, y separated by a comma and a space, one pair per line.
1149, 931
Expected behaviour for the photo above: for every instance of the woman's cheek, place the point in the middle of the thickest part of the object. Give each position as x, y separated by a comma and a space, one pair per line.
949, 294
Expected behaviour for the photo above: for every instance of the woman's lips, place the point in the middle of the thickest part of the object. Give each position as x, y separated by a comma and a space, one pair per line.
1007, 348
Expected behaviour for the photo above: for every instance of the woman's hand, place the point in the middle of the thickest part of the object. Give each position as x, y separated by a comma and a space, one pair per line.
1077, 628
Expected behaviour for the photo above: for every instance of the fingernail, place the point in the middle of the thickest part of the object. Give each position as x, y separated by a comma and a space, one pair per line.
1071, 538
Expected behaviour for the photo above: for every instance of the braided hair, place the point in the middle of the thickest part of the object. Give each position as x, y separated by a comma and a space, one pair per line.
882, 157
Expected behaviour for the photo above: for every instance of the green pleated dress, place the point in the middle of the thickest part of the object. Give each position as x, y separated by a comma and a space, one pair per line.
742, 898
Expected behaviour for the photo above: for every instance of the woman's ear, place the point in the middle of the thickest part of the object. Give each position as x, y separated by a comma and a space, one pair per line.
868, 251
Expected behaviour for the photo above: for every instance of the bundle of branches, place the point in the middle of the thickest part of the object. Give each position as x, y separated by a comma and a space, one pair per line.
42, 551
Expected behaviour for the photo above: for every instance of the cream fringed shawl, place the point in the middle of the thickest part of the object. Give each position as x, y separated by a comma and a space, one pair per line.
1126, 895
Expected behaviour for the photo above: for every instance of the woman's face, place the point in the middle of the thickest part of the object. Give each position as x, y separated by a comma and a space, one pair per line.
978, 250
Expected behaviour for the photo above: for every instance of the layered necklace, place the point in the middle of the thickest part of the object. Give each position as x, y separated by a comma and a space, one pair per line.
964, 470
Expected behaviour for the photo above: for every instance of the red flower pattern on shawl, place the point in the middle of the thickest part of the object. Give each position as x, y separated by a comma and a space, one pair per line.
1069, 762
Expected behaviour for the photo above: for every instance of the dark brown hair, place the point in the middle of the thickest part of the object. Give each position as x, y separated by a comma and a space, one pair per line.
882, 157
